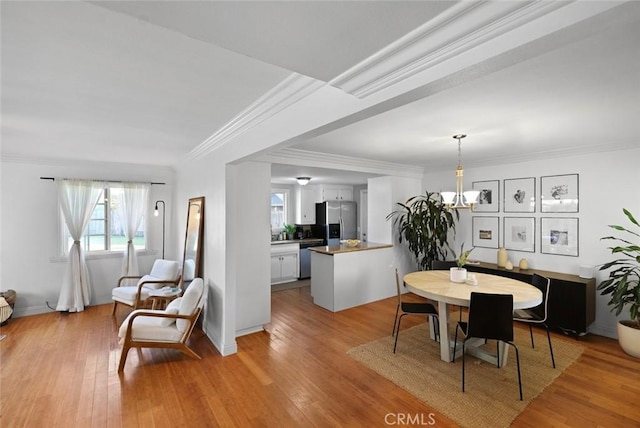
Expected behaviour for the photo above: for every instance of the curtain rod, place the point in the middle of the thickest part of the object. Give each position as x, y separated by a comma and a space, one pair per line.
105, 181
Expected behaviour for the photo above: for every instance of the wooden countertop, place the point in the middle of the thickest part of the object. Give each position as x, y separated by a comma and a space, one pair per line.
342, 248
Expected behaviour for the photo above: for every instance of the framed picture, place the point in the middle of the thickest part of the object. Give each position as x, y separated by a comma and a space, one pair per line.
519, 234
485, 232
489, 198
520, 195
559, 236
559, 193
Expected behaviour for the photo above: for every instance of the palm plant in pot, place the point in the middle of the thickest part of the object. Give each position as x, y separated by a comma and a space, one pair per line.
623, 285
424, 223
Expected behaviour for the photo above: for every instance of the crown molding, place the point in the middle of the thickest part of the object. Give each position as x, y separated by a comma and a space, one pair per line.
459, 29
291, 90
291, 156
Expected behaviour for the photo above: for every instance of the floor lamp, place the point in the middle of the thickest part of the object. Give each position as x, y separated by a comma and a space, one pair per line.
155, 213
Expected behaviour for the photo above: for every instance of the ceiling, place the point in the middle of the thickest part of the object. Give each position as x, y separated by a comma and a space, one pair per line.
149, 82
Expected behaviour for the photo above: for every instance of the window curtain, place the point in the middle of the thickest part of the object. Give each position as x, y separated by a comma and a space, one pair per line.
77, 200
132, 208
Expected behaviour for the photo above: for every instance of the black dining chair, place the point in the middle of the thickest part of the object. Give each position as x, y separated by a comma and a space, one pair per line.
412, 308
538, 314
490, 317
446, 265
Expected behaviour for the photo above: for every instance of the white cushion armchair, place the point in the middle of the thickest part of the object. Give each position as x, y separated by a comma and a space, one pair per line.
169, 328
164, 273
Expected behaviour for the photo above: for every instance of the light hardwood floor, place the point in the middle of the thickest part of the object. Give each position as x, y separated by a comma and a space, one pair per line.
61, 370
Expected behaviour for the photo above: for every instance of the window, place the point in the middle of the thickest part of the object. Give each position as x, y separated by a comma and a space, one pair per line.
279, 208
105, 217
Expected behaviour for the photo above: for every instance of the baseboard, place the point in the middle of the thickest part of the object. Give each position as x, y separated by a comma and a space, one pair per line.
603, 331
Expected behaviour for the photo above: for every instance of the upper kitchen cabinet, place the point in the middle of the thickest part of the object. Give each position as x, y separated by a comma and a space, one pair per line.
306, 198
337, 193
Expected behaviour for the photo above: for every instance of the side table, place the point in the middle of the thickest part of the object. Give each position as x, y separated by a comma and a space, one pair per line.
160, 298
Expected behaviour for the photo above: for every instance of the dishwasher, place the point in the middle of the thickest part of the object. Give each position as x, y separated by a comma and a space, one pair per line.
305, 258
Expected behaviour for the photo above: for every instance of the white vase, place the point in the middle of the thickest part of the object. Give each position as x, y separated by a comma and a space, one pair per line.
457, 274
629, 339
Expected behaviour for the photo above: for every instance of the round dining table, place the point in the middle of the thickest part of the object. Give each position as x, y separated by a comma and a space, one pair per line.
436, 285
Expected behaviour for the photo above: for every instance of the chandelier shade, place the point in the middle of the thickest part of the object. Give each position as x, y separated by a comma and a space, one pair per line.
303, 181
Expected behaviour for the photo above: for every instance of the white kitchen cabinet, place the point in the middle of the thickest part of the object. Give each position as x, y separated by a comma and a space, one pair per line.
306, 198
285, 262
342, 193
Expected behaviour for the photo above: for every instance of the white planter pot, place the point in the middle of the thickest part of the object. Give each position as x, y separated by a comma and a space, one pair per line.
629, 339
457, 274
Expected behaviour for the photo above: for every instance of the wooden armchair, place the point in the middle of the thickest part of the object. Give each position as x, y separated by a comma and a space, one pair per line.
169, 328
164, 273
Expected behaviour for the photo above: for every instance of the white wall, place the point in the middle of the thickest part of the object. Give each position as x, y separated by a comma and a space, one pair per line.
608, 182
207, 177
384, 194
30, 258
248, 209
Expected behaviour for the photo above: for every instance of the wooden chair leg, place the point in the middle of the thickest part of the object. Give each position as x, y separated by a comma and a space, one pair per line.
190, 352
115, 304
395, 343
123, 357
395, 321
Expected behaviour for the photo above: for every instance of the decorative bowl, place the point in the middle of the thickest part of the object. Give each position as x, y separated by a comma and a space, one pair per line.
350, 242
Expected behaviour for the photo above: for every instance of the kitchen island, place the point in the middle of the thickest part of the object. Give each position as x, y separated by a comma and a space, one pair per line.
343, 277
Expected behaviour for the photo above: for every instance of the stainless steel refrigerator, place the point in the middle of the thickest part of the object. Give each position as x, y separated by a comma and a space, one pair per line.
338, 220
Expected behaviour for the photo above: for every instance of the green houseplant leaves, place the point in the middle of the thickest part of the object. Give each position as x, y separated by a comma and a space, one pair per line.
623, 284
424, 223
461, 261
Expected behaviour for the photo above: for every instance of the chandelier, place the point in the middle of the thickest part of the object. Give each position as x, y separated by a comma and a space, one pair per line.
459, 198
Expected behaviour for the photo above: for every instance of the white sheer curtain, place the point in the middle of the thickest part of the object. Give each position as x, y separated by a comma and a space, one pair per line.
77, 200
131, 209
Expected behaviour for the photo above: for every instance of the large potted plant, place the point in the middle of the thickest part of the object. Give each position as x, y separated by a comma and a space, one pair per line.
424, 223
623, 285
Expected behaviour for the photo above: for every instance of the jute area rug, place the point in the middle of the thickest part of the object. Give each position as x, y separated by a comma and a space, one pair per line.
491, 396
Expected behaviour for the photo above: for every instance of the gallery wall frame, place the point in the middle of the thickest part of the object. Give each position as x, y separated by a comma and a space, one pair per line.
560, 236
485, 231
519, 195
489, 199
519, 234
559, 193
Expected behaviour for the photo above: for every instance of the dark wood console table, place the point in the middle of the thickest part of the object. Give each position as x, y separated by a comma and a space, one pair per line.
572, 300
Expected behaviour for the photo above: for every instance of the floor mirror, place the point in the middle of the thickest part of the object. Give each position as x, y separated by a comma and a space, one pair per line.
193, 241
